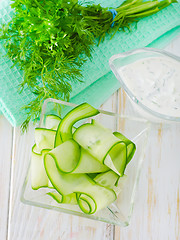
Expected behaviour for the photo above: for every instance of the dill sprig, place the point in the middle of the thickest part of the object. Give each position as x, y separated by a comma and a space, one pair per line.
50, 40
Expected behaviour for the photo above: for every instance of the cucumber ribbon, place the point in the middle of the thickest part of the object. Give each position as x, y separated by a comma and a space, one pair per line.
81, 165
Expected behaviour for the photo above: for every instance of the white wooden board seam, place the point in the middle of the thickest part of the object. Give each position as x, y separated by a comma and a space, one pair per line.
11, 184
7, 224
6, 139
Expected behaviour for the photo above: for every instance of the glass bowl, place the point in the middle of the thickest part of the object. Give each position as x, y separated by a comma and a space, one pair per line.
120, 211
147, 75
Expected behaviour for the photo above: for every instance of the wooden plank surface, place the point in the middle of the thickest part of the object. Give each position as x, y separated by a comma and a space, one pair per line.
6, 135
156, 212
157, 207
32, 223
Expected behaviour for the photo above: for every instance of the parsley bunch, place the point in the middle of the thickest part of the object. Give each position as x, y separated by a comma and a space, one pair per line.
50, 40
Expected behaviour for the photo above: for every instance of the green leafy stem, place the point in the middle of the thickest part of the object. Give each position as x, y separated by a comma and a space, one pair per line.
50, 40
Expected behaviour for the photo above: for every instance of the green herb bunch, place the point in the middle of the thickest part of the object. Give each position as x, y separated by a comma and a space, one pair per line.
50, 40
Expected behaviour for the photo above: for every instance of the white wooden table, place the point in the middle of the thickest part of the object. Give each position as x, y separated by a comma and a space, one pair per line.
156, 213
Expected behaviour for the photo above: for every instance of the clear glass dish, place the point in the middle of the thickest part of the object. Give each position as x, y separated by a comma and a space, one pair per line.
121, 63
120, 211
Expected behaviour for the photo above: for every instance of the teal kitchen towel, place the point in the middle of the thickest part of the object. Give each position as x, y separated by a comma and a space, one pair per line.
98, 82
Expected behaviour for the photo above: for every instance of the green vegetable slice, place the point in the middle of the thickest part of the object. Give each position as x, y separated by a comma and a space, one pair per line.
67, 199
78, 113
131, 147
58, 139
84, 165
39, 177
107, 179
66, 156
103, 145
88, 164
117, 158
86, 203
35, 149
62, 182
95, 196
44, 138
92, 175
111, 180
52, 122
71, 158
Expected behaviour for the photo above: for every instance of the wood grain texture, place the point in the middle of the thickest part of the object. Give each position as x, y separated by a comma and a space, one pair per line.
156, 212
33, 223
6, 135
157, 207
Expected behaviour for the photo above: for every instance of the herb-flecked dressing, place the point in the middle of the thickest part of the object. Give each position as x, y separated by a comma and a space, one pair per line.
155, 82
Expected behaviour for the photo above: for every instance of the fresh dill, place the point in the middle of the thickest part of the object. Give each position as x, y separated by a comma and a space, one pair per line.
50, 40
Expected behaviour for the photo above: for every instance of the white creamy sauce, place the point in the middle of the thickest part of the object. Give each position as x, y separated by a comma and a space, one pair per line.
155, 82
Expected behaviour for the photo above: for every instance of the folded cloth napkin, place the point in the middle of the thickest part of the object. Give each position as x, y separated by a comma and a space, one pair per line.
99, 82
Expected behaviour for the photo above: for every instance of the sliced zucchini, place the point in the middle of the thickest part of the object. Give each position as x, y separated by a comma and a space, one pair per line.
78, 113
44, 138
66, 156
88, 164
102, 145
83, 166
67, 199
94, 197
39, 177
131, 147
62, 182
107, 179
52, 122
71, 158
